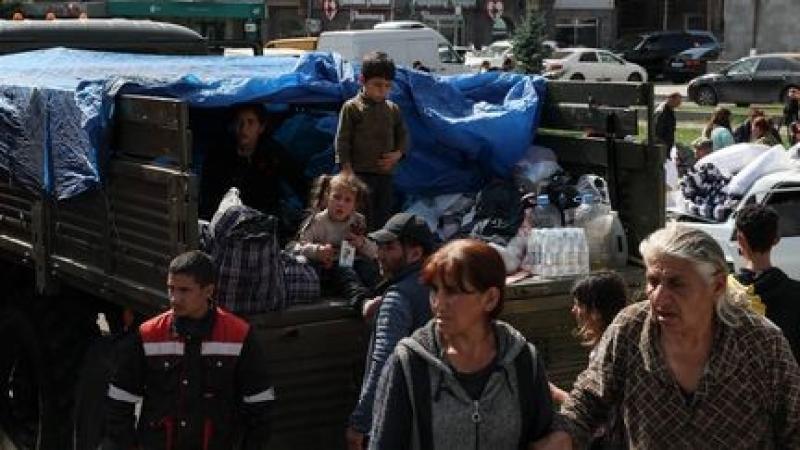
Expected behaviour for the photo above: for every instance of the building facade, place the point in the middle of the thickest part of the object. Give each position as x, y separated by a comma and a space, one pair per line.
760, 26
637, 16
588, 23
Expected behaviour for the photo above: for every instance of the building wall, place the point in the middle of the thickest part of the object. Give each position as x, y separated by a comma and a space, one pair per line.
766, 25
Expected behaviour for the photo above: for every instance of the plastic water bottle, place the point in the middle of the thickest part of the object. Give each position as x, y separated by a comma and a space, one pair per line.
548, 256
571, 251
583, 254
545, 215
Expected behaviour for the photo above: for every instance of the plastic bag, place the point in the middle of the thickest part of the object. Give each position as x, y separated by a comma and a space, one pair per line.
538, 164
595, 185
730, 160
771, 161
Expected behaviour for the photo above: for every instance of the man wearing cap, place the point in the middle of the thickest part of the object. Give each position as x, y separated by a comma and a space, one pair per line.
403, 244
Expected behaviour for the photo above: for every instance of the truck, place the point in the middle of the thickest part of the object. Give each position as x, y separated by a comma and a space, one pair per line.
68, 263
404, 46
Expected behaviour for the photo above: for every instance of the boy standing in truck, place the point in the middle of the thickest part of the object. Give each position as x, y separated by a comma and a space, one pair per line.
372, 137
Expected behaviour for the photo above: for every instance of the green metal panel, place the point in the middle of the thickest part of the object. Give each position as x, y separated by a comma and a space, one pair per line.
255, 11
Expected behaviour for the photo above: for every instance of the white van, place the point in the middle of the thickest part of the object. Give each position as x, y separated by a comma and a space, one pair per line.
404, 46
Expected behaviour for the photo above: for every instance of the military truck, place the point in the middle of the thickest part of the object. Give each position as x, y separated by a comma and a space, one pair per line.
107, 250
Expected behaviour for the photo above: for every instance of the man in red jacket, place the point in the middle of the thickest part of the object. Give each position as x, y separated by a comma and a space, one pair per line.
197, 370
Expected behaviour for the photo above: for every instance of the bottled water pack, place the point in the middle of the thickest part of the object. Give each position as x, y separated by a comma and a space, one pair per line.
555, 252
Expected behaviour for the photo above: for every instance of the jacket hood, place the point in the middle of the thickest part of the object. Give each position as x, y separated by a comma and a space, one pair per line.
426, 343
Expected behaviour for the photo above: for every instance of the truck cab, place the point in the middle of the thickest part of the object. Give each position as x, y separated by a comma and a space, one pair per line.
404, 46
781, 191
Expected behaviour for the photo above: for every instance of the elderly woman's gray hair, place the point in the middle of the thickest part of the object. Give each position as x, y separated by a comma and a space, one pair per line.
699, 248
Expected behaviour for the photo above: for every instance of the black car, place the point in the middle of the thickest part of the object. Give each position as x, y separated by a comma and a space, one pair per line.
653, 50
755, 79
690, 63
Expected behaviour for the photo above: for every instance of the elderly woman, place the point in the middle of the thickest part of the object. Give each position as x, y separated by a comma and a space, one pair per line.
465, 380
692, 368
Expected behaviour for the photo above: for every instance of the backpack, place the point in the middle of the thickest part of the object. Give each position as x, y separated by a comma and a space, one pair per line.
753, 300
421, 401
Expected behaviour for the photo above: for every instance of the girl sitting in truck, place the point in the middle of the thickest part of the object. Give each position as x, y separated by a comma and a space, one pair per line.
333, 238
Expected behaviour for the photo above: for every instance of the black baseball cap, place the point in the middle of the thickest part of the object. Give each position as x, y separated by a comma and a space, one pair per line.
404, 226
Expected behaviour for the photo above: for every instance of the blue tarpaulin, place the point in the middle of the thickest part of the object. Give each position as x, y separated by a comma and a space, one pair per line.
56, 106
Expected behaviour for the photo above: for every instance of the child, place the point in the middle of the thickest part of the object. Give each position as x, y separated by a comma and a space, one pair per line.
324, 232
597, 300
371, 137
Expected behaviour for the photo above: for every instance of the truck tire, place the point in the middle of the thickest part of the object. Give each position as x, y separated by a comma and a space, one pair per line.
47, 339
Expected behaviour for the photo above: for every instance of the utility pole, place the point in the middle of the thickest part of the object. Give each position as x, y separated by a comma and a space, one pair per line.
666, 14
756, 14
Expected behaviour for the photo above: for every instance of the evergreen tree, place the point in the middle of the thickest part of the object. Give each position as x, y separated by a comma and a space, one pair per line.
527, 43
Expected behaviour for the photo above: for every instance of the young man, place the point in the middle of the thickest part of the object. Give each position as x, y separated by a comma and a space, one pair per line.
197, 370
665, 122
757, 234
403, 244
258, 165
372, 137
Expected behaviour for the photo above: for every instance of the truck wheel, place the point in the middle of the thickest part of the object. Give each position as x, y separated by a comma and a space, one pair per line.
46, 339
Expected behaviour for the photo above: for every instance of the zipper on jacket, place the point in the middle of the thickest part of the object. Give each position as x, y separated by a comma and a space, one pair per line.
476, 419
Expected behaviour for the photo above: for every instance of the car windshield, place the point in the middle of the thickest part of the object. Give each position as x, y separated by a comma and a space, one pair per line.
628, 43
742, 67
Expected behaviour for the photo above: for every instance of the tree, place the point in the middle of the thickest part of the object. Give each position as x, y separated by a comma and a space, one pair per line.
527, 42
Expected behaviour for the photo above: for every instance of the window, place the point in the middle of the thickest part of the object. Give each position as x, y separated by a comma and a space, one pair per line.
773, 65
588, 57
787, 205
578, 32
745, 67
608, 58
447, 55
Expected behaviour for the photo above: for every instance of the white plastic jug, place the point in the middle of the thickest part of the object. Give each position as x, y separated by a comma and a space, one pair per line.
608, 244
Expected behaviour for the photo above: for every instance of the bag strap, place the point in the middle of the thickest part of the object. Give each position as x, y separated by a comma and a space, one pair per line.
419, 391
525, 369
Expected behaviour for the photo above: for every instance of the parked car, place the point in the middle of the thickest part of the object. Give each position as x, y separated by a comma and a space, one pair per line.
755, 79
591, 64
690, 63
780, 190
653, 50
495, 53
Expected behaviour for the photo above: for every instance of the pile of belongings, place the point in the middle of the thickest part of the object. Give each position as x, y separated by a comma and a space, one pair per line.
716, 184
703, 189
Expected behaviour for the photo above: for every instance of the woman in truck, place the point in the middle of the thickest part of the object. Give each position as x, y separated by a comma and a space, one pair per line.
465, 380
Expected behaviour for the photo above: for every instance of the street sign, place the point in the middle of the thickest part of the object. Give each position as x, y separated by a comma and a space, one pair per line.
330, 8
494, 8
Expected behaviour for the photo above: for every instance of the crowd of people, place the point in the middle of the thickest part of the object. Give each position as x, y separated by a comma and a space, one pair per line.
719, 133
705, 361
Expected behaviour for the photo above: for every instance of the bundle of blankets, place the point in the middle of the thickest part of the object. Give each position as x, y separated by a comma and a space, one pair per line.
715, 185
703, 190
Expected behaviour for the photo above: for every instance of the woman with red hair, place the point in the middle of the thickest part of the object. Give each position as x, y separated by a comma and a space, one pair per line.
466, 379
